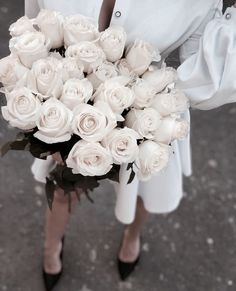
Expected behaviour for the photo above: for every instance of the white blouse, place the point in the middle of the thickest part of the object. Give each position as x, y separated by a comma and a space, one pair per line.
207, 42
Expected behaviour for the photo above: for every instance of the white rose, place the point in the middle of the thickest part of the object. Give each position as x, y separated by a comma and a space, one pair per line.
93, 123
140, 55
88, 53
171, 129
145, 122
79, 28
153, 158
75, 92
112, 41
122, 143
72, 69
89, 159
182, 102
21, 26
160, 78
11, 71
51, 25
54, 124
45, 78
22, 109
102, 73
30, 47
168, 103
56, 55
116, 94
144, 94
125, 69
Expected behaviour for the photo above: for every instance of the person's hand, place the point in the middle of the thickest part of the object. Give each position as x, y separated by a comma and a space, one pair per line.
57, 158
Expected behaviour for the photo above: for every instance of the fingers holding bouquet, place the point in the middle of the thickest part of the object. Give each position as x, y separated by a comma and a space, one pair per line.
57, 158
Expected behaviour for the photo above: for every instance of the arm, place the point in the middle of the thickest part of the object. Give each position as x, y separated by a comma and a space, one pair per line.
31, 8
208, 69
106, 14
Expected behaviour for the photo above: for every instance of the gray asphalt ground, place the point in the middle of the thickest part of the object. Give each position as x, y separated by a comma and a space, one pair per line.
192, 249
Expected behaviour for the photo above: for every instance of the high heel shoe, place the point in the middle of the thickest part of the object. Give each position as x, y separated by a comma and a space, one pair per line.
50, 280
126, 268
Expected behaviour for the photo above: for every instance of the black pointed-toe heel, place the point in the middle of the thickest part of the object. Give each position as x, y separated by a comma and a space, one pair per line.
126, 268
50, 280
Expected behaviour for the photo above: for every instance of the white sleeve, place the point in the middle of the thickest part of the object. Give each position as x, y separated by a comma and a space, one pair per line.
208, 69
31, 8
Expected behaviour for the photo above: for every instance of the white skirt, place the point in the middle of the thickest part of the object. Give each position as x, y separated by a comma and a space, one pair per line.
162, 194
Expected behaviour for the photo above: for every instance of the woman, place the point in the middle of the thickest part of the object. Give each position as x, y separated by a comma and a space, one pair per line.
208, 56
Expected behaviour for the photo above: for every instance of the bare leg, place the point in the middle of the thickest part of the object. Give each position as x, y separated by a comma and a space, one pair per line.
56, 222
131, 241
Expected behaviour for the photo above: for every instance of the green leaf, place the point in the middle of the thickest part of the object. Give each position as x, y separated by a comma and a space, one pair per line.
17, 145
50, 189
113, 175
130, 166
63, 177
40, 149
86, 183
20, 145
88, 196
58, 174
131, 178
67, 146
5, 149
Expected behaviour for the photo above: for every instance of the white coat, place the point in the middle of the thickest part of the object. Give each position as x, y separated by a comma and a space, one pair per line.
207, 42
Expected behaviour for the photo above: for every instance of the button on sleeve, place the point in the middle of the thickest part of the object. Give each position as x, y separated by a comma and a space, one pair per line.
118, 14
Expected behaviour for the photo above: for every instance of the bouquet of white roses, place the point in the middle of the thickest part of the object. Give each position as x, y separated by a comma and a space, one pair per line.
89, 95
